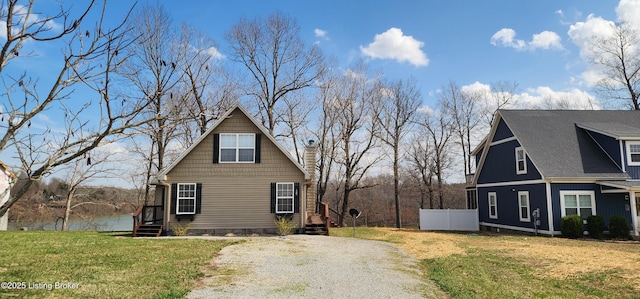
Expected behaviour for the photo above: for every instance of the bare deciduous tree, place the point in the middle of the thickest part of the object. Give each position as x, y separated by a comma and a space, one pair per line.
354, 110
95, 166
90, 58
154, 72
277, 60
499, 96
399, 105
422, 168
325, 134
437, 127
207, 89
463, 109
618, 55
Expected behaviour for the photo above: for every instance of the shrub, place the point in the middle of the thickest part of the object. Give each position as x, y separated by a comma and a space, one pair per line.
285, 225
595, 226
178, 229
571, 226
619, 228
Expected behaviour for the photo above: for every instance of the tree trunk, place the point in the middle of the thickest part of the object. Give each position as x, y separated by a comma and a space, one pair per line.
396, 195
67, 209
345, 204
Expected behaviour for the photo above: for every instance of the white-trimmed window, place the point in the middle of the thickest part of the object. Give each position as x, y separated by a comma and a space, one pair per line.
493, 205
633, 153
523, 204
521, 161
581, 203
186, 200
237, 148
284, 198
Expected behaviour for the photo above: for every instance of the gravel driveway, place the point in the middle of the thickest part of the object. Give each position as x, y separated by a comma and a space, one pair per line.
301, 266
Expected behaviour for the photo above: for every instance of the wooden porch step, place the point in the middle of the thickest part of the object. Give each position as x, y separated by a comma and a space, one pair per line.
315, 229
148, 230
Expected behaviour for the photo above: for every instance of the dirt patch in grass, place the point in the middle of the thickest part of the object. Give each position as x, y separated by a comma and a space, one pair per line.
552, 257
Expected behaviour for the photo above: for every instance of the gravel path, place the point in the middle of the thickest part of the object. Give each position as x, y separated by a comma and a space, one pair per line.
301, 266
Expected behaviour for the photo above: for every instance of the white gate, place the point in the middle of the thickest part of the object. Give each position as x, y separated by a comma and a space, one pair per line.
459, 220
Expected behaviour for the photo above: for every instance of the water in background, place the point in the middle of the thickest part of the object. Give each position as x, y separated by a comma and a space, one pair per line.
108, 223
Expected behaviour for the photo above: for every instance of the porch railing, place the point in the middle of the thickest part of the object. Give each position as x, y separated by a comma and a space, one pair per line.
324, 213
146, 215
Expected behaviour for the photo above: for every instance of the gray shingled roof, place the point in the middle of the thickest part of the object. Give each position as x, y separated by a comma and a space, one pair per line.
559, 146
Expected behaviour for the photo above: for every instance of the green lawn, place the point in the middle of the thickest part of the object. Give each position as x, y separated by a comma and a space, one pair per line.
101, 265
482, 265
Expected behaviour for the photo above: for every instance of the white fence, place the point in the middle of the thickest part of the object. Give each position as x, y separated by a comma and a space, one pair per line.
460, 220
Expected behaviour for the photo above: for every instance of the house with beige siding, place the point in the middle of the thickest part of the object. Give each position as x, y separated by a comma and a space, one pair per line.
6, 178
236, 178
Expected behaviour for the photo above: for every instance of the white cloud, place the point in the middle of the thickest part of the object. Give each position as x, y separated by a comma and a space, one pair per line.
20, 18
426, 110
559, 12
628, 11
541, 97
393, 44
581, 32
111, 148
547, 40
45, 118
320, 32
506, 37
213, 52
544, 97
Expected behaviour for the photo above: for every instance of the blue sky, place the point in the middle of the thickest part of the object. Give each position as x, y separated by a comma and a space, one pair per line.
474, 43
539, 45
453, 37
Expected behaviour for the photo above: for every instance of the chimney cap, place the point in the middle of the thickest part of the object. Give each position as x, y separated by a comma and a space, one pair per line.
311, 142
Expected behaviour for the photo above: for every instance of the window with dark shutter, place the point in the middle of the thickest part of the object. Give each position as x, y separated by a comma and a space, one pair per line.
216, 148
273, 197
186, 200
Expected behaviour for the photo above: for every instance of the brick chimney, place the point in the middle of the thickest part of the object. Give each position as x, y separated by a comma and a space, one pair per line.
310, 165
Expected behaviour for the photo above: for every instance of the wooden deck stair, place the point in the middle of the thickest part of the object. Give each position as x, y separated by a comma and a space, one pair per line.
316, 226
148, 230
147, 221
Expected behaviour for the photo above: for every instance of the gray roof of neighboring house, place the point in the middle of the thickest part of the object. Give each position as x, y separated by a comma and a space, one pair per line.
558, 146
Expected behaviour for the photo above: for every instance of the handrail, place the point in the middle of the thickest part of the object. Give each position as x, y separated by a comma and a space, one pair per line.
144, 215
136, 221
324, 213
339, 223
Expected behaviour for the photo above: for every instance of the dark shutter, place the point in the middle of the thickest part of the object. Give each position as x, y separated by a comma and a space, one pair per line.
273, 197
216, 148
296, 197
198, 198
174, 198
258, 141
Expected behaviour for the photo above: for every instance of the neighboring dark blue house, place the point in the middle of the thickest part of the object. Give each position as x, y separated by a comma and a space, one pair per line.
555, 163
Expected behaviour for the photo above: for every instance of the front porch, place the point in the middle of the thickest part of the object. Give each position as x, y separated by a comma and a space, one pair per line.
148, 221
631, 192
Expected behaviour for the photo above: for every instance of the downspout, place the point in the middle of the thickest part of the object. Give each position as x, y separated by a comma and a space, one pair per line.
634, 212
167, 210
303, 216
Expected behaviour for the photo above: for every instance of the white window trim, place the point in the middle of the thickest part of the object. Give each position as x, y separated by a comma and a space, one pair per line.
628, 146
237, 147
577, 193
495, 197
524, 156
527, 216
195, 196
293, 195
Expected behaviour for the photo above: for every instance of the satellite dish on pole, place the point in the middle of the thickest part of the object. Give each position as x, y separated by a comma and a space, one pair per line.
355, 214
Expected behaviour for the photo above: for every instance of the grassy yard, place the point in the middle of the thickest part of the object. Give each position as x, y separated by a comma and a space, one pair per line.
483, 265
101, 265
